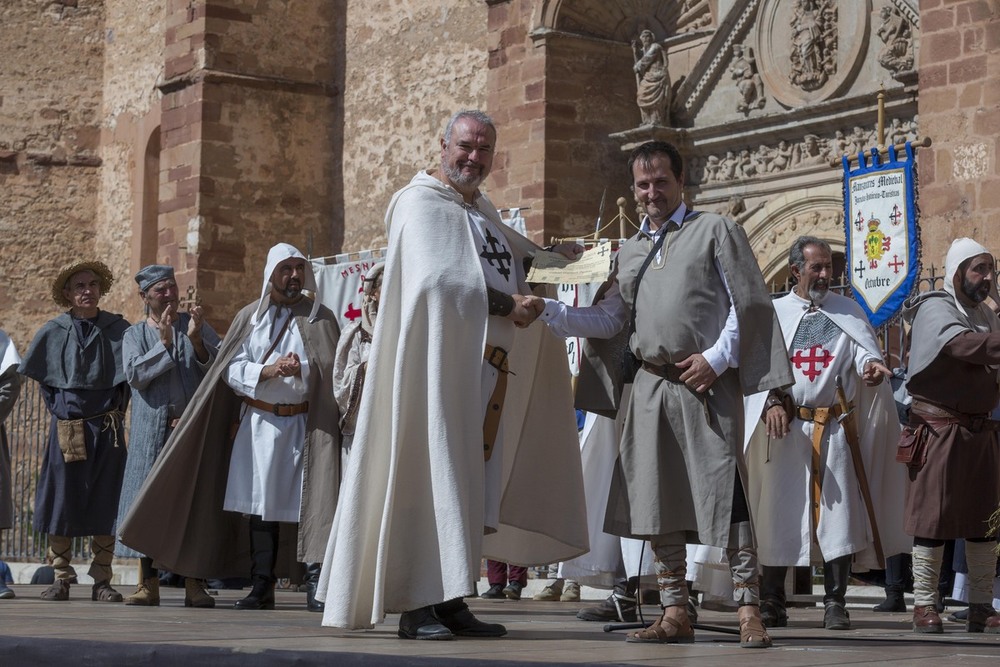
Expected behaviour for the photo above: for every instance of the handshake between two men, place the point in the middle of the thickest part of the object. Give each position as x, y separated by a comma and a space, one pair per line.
527, 308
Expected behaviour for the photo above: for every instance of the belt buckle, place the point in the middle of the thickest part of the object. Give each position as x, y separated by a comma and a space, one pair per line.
809, 410
494, 353
276, 409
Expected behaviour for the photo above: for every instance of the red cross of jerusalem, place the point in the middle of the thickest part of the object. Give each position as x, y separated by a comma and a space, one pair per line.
352, 313
816, 355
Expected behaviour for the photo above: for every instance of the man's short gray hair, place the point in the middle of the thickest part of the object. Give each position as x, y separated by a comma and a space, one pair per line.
797, 257
476, 115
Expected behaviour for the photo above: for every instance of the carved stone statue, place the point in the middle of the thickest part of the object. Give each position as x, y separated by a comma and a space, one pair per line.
748, 81
814, 43
897, 53
652, 79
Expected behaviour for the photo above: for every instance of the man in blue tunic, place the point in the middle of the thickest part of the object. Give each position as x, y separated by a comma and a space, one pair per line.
166, 357
77, 359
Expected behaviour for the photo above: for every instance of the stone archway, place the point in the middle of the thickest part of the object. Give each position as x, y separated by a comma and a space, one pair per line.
816, 211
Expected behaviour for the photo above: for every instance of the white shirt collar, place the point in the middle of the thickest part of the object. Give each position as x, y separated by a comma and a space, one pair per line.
677, 218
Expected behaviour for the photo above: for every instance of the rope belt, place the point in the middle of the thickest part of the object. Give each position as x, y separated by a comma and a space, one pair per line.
820, 417
278, 409
114, 420
497, 358
935, 415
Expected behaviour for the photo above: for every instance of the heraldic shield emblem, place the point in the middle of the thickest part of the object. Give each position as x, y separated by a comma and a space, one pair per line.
883, 239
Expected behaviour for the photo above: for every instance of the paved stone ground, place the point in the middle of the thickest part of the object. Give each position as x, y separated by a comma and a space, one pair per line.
81, 632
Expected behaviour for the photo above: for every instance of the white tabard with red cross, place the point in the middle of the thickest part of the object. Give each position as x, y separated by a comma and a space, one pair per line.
818, 353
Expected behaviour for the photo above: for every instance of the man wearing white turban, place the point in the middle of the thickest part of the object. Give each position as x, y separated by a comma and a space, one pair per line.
258, 441
950, 445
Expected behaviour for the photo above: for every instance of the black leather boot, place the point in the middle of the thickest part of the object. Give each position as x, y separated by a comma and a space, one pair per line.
836, 574
773, 613
422, 624
264, 548
311, 580
456, 616
895, 583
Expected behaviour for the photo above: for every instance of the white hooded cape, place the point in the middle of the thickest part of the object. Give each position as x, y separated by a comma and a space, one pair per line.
878, 429
408, 531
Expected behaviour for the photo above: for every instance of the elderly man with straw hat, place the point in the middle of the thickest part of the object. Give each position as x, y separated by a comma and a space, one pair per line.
77, 359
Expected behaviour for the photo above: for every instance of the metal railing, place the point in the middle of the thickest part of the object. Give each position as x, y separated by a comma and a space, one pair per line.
28, 430
27, 437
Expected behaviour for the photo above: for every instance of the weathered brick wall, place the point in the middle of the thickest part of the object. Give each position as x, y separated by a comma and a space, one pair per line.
251, 142
589, 94
410, 65
133, 65
960, 111
51, 62
516, 99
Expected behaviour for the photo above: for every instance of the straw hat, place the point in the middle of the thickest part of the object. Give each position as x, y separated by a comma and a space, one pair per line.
99, 269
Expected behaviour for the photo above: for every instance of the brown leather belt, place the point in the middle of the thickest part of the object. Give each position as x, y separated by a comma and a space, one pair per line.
668, 372
820, 417
278, 409
808, 413
937, 415
497, 358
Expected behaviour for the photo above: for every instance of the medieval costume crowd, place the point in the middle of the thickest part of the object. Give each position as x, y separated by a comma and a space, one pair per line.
737, 434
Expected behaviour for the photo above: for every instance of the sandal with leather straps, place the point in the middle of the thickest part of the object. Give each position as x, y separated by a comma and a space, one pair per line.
665, 630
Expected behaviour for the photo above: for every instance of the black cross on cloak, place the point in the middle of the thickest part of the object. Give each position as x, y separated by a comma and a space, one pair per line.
502, 258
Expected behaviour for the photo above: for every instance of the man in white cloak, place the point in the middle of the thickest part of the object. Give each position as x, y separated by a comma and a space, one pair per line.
428, 476
804, 489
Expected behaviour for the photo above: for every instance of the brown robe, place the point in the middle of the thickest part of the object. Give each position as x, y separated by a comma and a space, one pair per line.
177, 518
957, 489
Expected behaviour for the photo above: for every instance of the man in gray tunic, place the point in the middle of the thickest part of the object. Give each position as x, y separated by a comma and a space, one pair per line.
706, 334
77, 359
166, 357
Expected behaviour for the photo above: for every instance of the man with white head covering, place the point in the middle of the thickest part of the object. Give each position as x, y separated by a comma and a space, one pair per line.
258, 441
166, 357
950, 445
77, 359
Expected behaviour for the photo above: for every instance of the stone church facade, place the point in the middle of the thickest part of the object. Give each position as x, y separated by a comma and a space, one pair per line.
200, 132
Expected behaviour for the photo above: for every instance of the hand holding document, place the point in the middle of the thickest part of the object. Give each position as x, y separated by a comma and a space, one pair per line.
593, 266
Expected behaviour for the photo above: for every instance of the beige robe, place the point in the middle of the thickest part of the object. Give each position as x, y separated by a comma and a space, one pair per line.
197, 537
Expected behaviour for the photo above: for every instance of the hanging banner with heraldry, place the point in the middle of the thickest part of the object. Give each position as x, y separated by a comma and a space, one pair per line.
339, 280
883, 237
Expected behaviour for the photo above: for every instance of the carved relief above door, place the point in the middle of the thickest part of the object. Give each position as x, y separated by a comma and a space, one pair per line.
811, 50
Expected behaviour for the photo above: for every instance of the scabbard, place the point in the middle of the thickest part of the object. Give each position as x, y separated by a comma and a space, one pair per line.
850, 427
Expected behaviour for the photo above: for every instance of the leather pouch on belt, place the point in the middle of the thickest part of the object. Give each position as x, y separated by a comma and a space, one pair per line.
912, 448
71, 440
